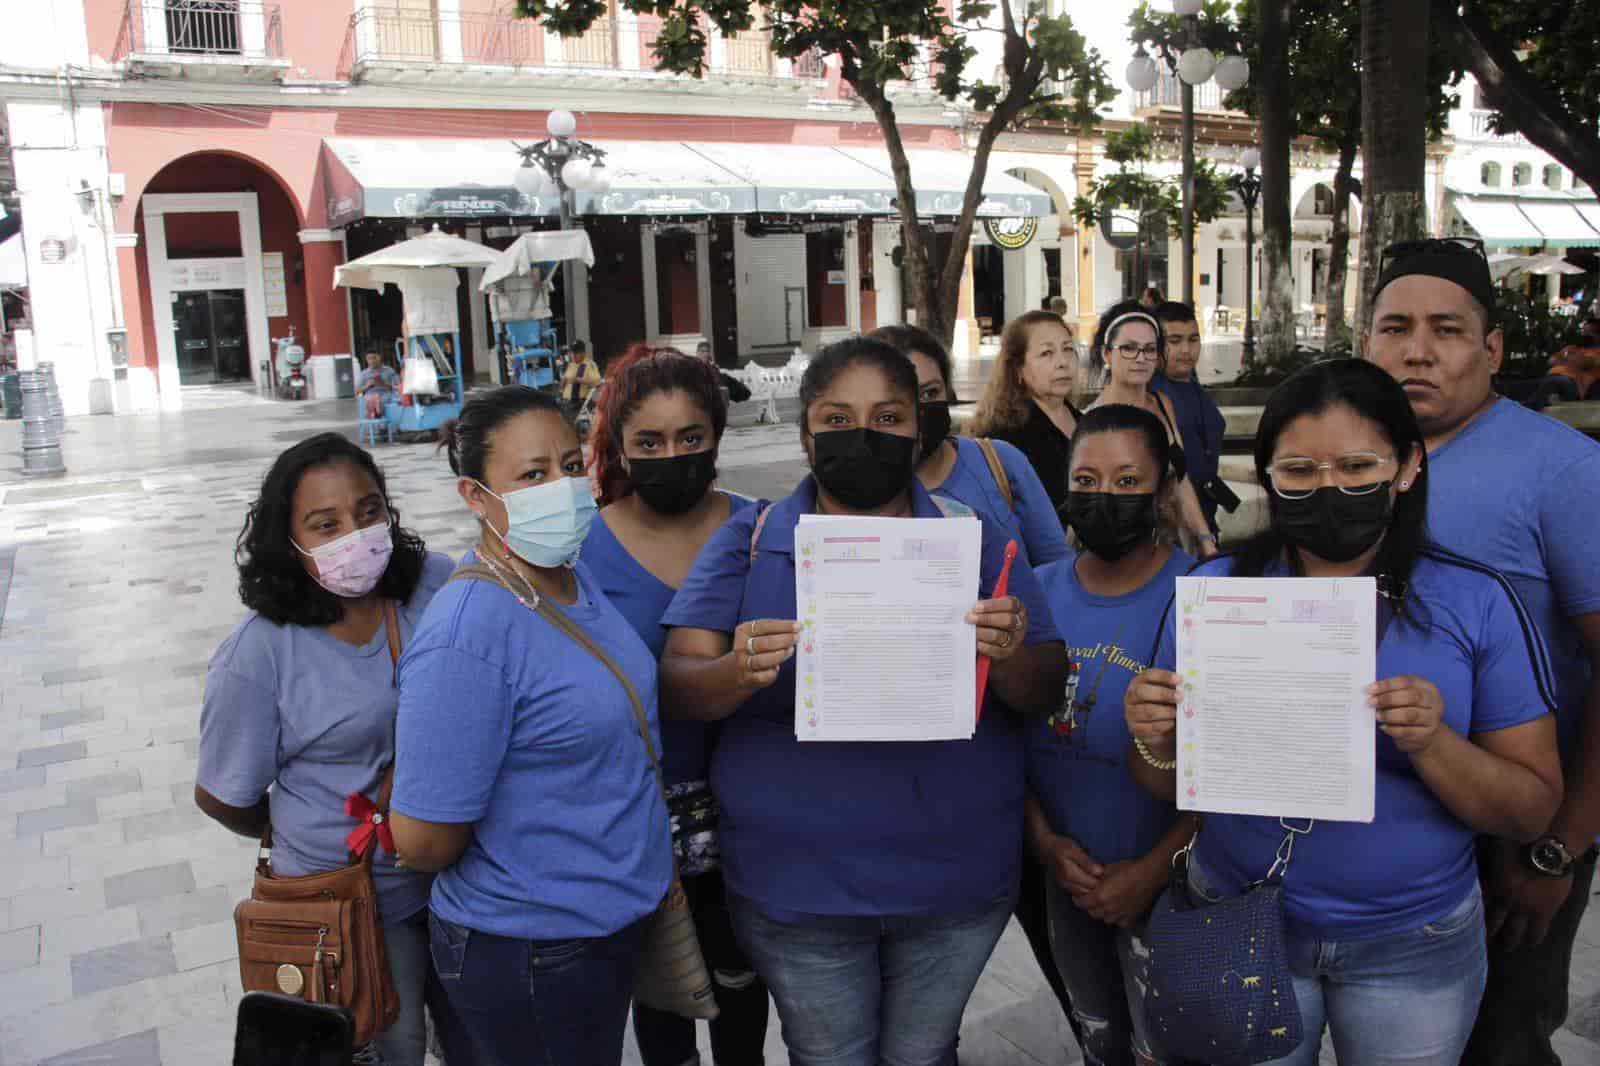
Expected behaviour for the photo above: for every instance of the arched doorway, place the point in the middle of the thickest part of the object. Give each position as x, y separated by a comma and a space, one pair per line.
222, 271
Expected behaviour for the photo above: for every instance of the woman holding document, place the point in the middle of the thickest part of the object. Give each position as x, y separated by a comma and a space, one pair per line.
868, 882
1107, 845
1384, 920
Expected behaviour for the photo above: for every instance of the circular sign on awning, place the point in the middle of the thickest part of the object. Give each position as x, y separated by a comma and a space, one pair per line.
1011, 233
52, 250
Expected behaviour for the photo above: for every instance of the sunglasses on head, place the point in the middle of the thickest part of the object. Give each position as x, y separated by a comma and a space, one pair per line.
1432, 245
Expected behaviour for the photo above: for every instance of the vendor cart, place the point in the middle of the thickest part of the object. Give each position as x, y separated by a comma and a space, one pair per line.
519, 282
424, 270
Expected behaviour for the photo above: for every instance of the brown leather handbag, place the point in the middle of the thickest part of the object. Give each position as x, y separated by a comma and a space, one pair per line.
318, 937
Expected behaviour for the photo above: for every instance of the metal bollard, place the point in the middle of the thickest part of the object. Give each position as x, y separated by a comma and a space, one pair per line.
41, 444
57, 415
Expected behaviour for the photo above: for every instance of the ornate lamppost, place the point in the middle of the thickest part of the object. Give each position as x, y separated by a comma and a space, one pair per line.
561, 166
1248, 185
1195, 65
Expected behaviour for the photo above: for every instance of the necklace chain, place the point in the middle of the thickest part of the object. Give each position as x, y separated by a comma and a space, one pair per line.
511, 588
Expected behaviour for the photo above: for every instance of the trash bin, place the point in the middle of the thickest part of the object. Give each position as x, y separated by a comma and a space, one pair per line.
11, 394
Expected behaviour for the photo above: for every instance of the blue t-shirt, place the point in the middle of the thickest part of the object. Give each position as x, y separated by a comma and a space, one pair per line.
852, 829
1521, 493
1082, 780
1414, 863
1031, 520
643, 598
297, 709
506, 723
1200, 428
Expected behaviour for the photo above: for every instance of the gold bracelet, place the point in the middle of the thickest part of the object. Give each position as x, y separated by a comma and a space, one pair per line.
1159, 764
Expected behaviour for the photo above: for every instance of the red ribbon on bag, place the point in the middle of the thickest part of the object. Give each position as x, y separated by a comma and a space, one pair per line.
374, 825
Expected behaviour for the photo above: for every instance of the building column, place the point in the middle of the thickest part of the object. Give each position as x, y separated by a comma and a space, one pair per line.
968, 335
327, 308
1083, 170
134, 387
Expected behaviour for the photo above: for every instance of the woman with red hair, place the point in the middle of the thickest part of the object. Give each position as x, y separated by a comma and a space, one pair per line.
661, 416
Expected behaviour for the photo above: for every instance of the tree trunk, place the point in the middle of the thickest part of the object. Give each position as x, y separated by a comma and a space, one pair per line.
1339, 244
1394, 132
1276, 332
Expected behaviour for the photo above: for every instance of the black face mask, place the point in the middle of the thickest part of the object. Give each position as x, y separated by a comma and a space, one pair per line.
863, 468
675, 484
933, 424
1111, 524
1334, 525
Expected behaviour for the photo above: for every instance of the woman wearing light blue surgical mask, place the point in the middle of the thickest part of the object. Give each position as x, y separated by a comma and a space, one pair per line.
520, 773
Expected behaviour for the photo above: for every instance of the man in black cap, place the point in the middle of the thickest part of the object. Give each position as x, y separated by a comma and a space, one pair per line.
1511, 489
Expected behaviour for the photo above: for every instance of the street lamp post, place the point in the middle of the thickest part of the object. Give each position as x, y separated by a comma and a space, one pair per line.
1195, 65
1249, 186
561, 166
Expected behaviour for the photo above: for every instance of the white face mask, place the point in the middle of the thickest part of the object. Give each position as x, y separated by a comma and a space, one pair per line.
546, 524
352, 566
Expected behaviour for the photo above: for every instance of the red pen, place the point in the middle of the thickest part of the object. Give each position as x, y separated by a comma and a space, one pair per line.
999, 590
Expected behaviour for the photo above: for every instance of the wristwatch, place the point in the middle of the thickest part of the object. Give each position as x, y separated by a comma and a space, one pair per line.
1549, 856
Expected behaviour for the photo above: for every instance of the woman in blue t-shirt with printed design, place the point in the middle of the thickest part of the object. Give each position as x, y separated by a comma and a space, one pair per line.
300, 698
521, 774
1385, 927
1106, 844
654, 456
867, 882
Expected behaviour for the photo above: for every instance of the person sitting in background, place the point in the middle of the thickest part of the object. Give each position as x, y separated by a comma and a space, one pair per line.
736, 389
1058, 306
376, 384
1152, 298
1199, 420
1573, 370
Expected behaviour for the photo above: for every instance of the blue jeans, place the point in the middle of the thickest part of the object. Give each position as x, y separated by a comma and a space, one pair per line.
1106, 970
861, 991
545, 1002
1407, 998
411, 970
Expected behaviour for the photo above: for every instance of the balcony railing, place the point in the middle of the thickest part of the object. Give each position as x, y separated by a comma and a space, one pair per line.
1168, 92
379, 38
200, 29
1483, 126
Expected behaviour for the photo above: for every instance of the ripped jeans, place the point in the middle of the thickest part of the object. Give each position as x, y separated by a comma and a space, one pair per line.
1104, 970
739, 1033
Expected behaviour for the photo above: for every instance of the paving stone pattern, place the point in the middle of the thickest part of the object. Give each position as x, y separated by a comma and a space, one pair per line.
116, 896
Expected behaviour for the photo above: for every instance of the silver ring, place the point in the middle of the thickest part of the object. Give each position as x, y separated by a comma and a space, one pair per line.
1007, 642
750, 647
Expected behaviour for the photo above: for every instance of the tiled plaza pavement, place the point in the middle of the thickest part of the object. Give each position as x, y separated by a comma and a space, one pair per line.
116, 939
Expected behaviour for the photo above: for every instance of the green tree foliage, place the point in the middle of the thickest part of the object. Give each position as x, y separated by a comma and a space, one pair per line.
1048, 74
1157, 202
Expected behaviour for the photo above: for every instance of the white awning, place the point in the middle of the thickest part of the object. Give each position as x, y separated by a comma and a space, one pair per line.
13, 263
1498, 222
805, 179
1590, 213
940, 179
1559, 222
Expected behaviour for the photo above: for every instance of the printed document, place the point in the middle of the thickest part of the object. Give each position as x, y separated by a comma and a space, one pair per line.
885, 650
1273, 716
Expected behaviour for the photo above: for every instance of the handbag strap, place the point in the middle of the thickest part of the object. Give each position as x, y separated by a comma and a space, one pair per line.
391, 629
997, 470
558, 618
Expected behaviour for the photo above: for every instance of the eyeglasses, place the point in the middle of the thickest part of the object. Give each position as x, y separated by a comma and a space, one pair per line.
1295, 477
1138, 352
1444, 245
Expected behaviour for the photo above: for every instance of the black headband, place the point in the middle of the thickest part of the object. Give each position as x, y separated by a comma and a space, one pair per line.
1469, 271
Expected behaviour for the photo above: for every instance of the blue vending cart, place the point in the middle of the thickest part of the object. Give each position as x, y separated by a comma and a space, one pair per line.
519, 283
424, 269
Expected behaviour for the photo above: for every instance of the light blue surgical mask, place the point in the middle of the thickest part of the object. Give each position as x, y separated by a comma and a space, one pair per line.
546, 524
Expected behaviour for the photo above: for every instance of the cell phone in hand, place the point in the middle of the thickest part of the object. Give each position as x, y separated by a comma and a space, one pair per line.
276, 1030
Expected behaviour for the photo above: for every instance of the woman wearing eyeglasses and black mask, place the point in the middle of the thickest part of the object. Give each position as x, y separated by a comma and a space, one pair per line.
1106, 844
1133, 346
1385, 927
867, 882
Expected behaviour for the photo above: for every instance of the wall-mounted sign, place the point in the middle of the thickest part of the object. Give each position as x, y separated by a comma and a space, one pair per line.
835, 277
189, 275
274, 285
52, 250
1011, 233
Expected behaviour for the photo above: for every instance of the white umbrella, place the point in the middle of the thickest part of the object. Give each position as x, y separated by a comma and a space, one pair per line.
1503, 266
389, 265
534, 251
